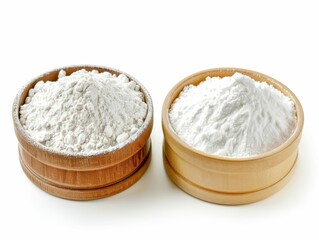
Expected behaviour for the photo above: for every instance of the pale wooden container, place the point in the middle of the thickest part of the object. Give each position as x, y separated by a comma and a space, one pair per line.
79, 176
225, 180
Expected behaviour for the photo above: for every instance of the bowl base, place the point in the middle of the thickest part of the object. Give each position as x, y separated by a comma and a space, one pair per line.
87, 194
223, 198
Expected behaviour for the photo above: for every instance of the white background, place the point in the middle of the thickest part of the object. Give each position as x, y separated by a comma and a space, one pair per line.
160, 43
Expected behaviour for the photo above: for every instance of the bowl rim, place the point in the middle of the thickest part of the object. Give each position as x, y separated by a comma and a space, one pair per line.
167, 128
129, 141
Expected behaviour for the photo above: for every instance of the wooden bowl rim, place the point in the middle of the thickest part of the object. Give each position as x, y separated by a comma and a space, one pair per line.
131, 140
228, 71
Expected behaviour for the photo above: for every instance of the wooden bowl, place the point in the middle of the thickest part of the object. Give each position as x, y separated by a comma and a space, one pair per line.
226, 180
80, 176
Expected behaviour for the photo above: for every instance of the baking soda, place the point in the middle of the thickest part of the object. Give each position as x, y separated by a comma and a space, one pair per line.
233, 116
84, 112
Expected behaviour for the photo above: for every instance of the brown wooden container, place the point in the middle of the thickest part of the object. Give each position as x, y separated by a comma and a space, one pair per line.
228, 180
84, 177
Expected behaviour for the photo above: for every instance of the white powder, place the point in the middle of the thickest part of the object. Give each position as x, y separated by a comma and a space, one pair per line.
84, 112
233, 116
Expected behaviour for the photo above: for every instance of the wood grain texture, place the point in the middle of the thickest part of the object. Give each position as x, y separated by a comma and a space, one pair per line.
87, 194
85, 178
77, 176
228, 176
224, 198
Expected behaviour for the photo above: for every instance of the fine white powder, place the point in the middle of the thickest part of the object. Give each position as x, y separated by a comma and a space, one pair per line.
233, 116
84, 112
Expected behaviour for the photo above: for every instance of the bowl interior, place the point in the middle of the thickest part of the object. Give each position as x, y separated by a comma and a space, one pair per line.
196, 78
52, 76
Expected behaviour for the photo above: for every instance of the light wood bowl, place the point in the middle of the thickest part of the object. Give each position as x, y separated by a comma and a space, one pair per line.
223, 180
80, 176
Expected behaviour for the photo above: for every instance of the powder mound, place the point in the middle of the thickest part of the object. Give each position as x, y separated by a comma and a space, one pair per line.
233, 116
84, 112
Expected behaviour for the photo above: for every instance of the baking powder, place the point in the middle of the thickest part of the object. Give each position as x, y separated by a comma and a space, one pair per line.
233, 116
85, 112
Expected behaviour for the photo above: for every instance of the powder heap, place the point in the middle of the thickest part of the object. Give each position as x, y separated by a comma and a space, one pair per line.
84, 112
233, 116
